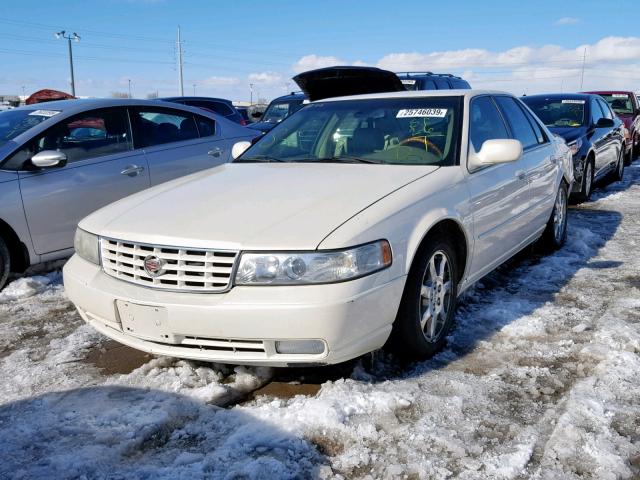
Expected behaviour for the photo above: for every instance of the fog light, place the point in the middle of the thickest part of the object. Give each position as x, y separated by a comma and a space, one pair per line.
312, 347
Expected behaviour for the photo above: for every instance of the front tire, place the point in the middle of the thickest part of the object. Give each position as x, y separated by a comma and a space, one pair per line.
5, 263
555, 233
586, 185
428, 303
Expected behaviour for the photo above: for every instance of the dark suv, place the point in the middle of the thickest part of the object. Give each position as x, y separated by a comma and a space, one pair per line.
279, 109
431, 81
221, 106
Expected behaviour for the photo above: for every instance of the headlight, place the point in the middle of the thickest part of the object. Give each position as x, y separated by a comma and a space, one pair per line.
575, 146
86, 245
304, 268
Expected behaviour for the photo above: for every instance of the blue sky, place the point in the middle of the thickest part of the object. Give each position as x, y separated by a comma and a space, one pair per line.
516, 46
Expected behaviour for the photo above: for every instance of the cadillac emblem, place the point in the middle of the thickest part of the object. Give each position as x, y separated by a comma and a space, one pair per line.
154, 266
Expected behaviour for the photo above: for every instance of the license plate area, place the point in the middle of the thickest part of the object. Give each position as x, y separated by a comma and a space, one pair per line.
144, 321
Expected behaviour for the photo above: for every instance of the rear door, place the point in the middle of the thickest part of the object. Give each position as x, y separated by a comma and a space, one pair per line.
540, 165
102, 167
177, 142
599, 138
499, 193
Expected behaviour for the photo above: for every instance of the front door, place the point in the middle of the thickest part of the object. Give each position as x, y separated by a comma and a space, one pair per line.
499, 194
101, 168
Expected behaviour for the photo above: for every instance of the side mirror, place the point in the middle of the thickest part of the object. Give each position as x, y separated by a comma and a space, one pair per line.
605, 123
239, 148
49, 159
494, 152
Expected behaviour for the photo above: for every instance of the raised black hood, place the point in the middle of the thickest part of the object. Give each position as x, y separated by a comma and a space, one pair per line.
342, 81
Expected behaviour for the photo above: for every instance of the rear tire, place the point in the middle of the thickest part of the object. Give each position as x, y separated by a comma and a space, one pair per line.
5, 263
586, 185
555, 233
428, 302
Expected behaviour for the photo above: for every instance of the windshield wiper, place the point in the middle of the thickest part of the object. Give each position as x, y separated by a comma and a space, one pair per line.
258, 159
345, 160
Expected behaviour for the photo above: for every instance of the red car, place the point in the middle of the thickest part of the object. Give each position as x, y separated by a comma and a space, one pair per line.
626, 106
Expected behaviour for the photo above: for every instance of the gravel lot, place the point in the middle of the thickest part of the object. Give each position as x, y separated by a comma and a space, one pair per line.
540, 380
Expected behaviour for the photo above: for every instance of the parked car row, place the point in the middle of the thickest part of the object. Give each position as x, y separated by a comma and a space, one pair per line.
353, 223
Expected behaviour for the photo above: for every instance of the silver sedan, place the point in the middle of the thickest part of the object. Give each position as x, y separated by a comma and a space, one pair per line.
59, 161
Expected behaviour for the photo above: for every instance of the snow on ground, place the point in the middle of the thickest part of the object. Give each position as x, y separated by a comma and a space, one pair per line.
540, 380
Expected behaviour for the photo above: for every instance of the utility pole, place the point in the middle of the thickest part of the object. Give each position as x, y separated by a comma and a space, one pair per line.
194, 89
180, 63
129, 88
251, 89
70, 37
584, 58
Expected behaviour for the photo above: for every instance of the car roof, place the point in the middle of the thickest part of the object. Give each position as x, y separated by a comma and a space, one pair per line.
419, 94
566, 96
426, 75
205, 99
606, 92
82, 104
289, 97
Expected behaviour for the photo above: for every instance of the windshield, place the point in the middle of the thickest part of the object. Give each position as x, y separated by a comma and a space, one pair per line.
15, 122
276, 112
556, 112
414, 131
619, 103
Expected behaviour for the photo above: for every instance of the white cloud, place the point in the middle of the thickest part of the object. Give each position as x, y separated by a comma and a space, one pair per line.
266, 78
311, 62
566, 21
219, 81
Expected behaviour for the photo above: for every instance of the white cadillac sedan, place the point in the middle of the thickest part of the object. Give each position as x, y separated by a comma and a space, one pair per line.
354, 223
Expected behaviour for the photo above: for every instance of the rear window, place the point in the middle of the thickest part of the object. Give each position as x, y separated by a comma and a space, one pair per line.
216, 107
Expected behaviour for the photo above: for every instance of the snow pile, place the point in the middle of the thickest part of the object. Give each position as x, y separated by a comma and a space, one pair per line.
28, 286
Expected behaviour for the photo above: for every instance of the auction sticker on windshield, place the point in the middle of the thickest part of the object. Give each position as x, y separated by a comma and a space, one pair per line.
45, 113
422, 112
581, 102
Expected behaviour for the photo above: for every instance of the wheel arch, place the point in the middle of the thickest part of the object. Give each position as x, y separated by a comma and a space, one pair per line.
448, 227
17, 249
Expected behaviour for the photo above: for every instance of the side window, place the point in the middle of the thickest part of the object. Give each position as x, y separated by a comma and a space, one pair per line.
605, 109
206, 126
540, 135
485, 122
156, 126
520, 126
596, 111
88, 135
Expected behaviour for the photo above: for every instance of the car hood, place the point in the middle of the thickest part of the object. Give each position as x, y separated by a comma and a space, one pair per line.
569, 133
627, 119
252, 206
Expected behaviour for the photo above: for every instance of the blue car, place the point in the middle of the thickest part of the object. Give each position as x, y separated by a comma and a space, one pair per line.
592, 131
60, 161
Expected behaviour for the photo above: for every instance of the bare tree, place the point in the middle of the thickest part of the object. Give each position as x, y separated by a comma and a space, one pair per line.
152, 95
119, 95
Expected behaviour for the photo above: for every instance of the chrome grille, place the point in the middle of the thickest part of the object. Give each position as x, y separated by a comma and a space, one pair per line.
185, 269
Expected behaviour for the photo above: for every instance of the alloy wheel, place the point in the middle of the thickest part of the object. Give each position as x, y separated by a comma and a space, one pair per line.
560, 215
588, 177
435, 296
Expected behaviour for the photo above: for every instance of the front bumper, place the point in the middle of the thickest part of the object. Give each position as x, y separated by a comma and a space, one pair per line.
242, 325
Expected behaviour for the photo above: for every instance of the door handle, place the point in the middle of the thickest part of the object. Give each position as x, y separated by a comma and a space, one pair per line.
521, 174
216, 152
132, 170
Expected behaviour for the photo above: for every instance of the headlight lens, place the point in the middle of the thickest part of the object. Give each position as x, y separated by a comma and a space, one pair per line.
575, 146
304, 268
86, 245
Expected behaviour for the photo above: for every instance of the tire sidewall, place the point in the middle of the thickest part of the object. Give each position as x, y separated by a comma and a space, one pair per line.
5, 263
407, 339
